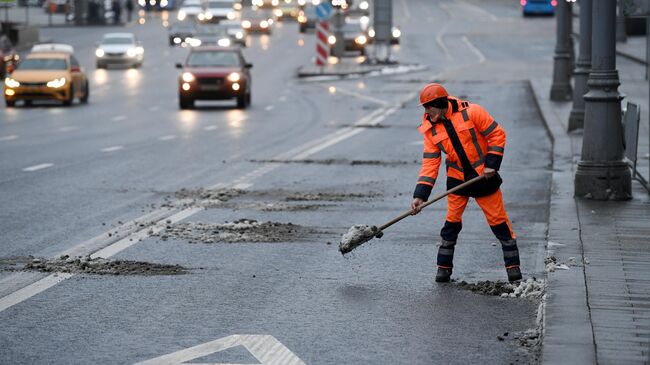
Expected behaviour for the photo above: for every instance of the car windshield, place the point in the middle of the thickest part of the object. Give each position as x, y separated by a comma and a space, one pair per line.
213, 59
43, 64
253, 14
117, 40
219, 4
351, 28
211, 29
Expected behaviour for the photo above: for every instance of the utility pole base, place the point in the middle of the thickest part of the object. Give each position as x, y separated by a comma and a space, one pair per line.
603, 181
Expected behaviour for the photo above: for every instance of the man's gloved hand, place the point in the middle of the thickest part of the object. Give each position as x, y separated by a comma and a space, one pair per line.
416, 205
489, 172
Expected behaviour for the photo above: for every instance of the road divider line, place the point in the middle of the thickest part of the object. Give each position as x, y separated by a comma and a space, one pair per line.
10, 137
112, 148
210, 128
167, 138
117, 118
38, 167
269, 108
361, 96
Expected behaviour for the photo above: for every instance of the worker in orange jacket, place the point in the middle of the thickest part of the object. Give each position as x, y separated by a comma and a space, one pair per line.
473, 145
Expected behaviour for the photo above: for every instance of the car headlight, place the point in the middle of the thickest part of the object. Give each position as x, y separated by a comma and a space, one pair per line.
208, 15
231, 15
237, 6
239, 35
177, 40
9, 82
361, 40
99, 52
278, 12
331, 39
302, 19
364, 5
396, 33
164, 3
224, 42
275, 2
371, 33
187, 77
201, 16
193, 42
246, 24
131, 52
142, 3
302, 2
234, 77
56, 83
181, 15
264, 24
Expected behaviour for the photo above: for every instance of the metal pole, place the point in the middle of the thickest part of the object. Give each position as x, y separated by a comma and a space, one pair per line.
621, 32
583, 66
572, 52
383, 22
561, 87
601, 173
339, 47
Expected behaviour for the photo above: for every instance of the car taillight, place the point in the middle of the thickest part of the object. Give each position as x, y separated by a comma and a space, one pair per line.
522, 2
554, 3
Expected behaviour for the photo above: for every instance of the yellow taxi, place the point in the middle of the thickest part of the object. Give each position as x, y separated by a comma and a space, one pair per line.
49, 72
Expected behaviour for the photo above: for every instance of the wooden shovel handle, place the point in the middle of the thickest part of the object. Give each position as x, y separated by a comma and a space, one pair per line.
433, 200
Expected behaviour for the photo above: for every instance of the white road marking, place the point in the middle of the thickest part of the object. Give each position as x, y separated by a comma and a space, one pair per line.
111, 149
10, 137
210, 128
167, 138
361, 96
417, 143
117, 118
441, 43
31, 290
38, 167
266, 349
478, 53
68, 129
269, 108
282, 99
242, 186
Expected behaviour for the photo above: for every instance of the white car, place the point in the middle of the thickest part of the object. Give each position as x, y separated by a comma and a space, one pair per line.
217, 10
119, 49
190, 9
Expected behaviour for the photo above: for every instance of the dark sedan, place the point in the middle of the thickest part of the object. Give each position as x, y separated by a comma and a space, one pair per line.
214, 73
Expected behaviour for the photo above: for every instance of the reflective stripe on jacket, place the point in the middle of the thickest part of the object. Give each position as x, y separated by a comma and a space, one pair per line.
482, 138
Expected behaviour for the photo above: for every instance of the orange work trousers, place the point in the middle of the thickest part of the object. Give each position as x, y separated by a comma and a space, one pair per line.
493, 209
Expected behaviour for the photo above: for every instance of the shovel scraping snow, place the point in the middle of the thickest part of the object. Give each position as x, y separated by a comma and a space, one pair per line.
359, 234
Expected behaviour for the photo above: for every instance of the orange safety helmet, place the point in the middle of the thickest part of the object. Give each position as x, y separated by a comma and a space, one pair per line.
431, 92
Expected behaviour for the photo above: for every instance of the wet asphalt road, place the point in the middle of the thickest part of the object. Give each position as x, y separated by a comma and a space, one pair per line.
125, 155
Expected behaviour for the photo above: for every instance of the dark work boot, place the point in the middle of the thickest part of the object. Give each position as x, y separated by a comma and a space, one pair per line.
443, 275
514, 273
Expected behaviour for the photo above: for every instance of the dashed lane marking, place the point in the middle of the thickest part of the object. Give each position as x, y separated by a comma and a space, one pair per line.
210, 128
269, 108
38, 167
167, 138
282, 99
117, 118
112, 148
361, 96
10, 137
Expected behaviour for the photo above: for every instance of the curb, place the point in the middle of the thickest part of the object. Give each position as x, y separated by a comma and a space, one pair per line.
567, 332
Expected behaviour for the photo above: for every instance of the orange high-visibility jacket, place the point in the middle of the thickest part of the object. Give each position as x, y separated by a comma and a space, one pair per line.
482, 138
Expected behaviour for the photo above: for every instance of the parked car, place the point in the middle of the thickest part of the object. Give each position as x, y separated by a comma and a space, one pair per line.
257, 21
181, 30
538, 7
287, 10
49, 72
8, 56
214, 73
119, 49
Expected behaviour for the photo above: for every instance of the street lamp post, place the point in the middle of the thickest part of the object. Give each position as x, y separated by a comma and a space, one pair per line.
583, 66
601, 173
561, 87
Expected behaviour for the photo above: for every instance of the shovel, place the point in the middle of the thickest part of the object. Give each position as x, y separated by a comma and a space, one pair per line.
361, 233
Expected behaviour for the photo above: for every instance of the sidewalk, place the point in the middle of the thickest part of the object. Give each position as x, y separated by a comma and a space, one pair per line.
597, 311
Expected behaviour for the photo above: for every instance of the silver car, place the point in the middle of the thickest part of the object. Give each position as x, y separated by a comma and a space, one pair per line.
119, 49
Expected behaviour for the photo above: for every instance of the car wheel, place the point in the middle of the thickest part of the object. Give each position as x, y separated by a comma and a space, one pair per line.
10, 103
27, 102
241, 101
70, 98
302, 29
101, 65
185, 103
84, 99
248, 99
